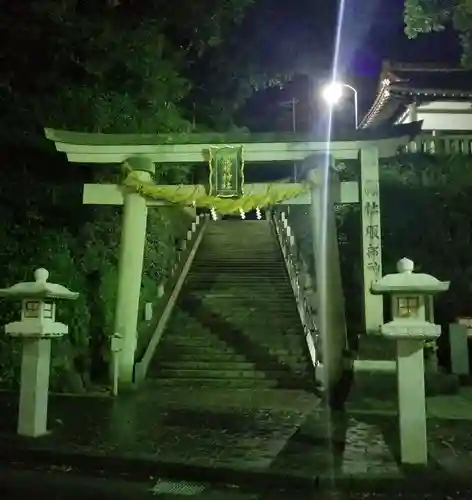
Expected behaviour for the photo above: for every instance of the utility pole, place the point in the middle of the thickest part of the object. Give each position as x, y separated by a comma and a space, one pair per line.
293, 105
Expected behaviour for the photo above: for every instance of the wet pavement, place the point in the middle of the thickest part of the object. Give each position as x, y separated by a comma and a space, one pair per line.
286, 439
173, 431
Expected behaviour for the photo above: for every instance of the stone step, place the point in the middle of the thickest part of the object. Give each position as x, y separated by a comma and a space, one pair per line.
218, 364
170, 356
239, 265
167, 349
235, 271
213, 373
228, 251
238, 306
177, 334
234, 332
240, 286
266, 361
240, 295
281, 346
252, 284
242, 241
289, 318
260, 238
263, 243
241, 302
237, 383
203, 352
254, 324
242, 328
201, 382
241, 238
229, 232
176, 341
223, 246
262, 355
248, 260
247, 325
232, 251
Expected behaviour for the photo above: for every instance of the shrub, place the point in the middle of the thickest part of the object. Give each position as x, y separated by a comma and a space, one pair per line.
81, 252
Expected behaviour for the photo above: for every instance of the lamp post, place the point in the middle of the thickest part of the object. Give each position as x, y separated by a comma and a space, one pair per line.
333, 93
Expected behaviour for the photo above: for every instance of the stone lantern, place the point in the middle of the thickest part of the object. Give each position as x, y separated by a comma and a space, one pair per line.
410, 293
36, 329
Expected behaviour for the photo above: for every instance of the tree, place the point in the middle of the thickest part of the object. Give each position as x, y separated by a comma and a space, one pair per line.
106, 66
426, 16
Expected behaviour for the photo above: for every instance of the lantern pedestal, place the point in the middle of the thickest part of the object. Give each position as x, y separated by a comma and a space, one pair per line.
33, 406
412, 402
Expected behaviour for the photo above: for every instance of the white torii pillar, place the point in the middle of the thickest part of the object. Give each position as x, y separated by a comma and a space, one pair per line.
330, 297
130, 269
131, 259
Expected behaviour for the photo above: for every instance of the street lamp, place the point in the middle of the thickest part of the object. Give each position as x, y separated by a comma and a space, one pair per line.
333, 93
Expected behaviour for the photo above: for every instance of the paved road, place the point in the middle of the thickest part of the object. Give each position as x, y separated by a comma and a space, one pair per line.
67, 485
56, 485
64, 485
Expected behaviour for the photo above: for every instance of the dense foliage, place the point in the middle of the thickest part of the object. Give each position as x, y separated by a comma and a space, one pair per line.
426, 16
104, 66
426, 216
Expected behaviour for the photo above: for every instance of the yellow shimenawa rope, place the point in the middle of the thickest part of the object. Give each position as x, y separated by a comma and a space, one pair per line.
178, 195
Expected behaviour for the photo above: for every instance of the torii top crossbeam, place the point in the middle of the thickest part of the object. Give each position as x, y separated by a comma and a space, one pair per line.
146, 150
194, 148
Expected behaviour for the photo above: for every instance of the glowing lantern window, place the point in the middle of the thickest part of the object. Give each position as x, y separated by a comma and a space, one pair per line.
31, 309
48, 310
408, 307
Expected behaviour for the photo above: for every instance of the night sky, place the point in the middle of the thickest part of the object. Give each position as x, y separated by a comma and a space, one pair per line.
371, 31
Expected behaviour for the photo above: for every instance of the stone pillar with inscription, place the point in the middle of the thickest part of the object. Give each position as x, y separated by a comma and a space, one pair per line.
371, 237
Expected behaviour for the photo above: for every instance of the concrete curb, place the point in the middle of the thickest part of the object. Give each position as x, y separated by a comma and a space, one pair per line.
142, 467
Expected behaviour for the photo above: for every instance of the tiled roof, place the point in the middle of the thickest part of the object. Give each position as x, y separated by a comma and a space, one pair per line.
404, 84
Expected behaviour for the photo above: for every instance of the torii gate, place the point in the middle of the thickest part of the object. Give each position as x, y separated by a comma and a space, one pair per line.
141, 152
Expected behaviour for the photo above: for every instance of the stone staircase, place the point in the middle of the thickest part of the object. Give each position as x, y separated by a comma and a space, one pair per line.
235, 324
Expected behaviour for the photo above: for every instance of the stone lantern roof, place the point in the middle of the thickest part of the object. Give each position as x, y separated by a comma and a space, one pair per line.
38, 289
406, 281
